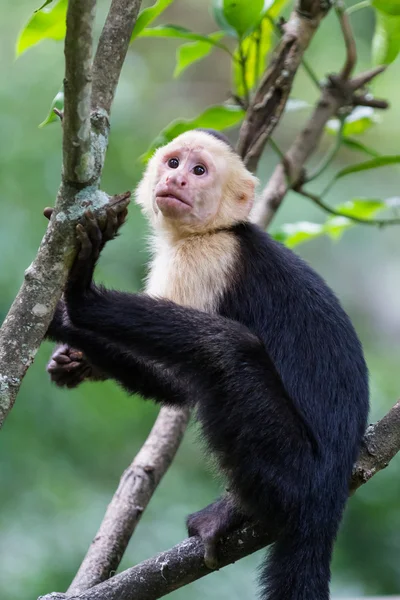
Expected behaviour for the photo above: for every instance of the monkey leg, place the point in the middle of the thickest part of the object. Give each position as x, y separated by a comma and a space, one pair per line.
212, 523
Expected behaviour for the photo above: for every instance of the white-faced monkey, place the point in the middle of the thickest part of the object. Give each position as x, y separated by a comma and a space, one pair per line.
238, 326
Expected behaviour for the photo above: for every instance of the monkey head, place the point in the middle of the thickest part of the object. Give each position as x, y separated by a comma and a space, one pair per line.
196, 183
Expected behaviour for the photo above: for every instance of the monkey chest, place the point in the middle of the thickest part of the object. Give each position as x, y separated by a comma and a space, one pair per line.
195, 276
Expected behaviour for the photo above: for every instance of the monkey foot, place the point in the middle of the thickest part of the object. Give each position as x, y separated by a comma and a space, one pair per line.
200, 524
211, 524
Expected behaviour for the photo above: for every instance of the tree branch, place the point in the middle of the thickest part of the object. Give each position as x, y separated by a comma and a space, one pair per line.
111, 51
351, 50
273, 91
134, 492
77, 158
30, 313
183, 564
85, 140
290, 172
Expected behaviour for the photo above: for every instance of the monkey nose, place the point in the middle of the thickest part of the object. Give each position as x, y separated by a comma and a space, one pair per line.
179, 180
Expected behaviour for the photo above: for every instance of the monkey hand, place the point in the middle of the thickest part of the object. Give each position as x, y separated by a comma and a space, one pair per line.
69, 367
92, 235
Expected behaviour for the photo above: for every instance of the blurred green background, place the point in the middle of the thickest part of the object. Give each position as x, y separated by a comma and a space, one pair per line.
62, 452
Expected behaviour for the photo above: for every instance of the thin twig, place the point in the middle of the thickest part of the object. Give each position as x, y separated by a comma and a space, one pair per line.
337, 213
111, 51
331, 154
358, 6
77, 166
351, 49
311, 73
242, 63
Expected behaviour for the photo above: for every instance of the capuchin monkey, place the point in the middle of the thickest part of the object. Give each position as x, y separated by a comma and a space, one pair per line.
239, 327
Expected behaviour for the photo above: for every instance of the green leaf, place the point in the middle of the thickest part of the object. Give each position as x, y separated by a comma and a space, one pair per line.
254, 49
274, 7
362, 208
360, 119
237, 17
46, 23
356, 145
176, 31
148, 15
336, 226
215, 117
386, 40
58, 102
43, 5
292, 234
391, 7
187, 54
375, 163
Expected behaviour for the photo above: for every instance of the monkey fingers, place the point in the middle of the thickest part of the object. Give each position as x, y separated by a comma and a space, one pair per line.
89, 237
116, 215
68, 375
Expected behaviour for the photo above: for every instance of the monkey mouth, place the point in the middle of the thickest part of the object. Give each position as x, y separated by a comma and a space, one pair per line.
173, 197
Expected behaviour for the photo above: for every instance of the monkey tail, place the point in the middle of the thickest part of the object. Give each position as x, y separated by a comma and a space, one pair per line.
298, 566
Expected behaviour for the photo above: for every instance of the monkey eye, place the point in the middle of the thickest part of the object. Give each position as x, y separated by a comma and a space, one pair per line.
173, 163
199, 170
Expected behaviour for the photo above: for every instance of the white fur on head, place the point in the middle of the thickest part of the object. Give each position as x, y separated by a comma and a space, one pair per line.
237, 185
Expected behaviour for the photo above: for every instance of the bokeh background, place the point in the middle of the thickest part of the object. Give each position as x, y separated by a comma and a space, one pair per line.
62, 452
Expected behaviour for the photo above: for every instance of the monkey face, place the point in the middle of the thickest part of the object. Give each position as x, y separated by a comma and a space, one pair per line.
188, 189
196, 183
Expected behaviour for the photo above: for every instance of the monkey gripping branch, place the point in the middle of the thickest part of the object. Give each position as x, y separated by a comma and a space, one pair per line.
89, 91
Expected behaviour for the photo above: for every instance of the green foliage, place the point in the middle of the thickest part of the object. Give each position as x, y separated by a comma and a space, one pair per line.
293, 234
237, 17
374, 163
190, 53
214, 117
58, 102
148, 15
45, 23
391, 7
44, 4
176, 31
359, 121
250, 57
386, 41
359, 147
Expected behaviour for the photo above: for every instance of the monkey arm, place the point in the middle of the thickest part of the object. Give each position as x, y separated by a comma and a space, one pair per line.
202, 344
134, 372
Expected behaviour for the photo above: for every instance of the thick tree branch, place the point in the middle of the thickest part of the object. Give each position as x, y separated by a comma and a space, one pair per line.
183, 564
30, 313
134, 492
268, 103
381, 443
77, 157
85, 138
111, 51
